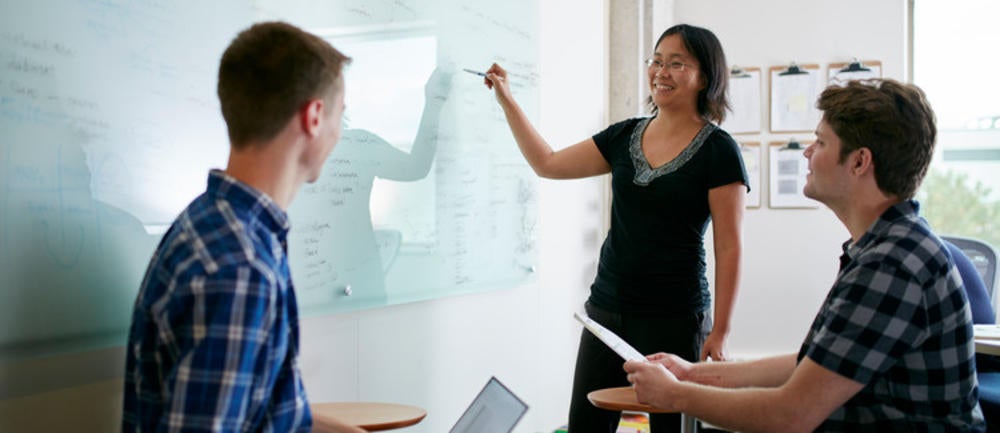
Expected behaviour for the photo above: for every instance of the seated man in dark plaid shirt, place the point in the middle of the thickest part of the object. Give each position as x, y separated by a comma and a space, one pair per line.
214, 340
892, 346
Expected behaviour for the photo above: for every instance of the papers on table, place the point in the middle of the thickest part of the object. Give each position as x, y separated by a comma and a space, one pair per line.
988, 332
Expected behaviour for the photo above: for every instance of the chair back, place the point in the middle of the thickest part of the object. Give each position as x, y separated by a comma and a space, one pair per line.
980, 273
982, 255
980, 300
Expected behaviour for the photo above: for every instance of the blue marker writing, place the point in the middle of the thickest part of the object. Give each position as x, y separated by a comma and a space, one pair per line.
481, 74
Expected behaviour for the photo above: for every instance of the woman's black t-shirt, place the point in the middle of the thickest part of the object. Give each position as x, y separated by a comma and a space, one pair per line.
653, 260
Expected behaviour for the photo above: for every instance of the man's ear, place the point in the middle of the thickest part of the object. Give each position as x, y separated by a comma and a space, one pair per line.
311, 115
861, 161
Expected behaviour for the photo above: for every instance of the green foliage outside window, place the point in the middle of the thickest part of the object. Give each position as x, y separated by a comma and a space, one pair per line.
955, 206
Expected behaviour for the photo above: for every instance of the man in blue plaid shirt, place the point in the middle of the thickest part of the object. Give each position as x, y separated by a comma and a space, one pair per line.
214, 341
892, 346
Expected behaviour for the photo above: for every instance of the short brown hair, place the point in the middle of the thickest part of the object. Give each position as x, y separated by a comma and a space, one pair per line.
893, 120
268, 72
713, 100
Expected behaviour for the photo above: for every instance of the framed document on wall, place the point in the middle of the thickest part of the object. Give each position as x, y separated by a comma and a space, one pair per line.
751, 159
794, 90
744, 93
787, 176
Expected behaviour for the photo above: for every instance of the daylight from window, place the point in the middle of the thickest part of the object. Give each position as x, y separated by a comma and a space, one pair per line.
954, 60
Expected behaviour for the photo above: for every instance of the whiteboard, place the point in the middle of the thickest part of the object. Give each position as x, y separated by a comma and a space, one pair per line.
110, 124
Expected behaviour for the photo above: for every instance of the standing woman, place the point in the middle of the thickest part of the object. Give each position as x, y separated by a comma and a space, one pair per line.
670, 173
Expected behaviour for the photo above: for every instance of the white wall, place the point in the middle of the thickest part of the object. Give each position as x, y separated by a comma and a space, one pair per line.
435, 354
791, 256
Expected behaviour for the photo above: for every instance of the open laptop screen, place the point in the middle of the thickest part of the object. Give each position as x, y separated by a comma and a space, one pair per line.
495, 410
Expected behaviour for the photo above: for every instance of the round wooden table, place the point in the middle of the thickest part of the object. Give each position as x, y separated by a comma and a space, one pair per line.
623, 398
371, 416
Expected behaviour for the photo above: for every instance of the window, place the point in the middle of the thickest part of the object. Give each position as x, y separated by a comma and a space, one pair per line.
954, 62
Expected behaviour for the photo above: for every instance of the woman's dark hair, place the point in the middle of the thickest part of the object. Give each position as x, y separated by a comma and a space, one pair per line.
713, 100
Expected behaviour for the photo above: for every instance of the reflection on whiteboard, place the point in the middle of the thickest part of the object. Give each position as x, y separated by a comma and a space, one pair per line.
377, 189
793, 99
788, 176
109, 126
390, 105
744, 91
426, 194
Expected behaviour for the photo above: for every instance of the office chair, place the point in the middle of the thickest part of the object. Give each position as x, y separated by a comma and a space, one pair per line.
976, 288
987, 371
983, 256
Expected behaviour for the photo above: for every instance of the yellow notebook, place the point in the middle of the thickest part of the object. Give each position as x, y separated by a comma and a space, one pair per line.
633, 422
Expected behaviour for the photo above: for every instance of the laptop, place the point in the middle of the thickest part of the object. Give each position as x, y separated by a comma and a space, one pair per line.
495, 410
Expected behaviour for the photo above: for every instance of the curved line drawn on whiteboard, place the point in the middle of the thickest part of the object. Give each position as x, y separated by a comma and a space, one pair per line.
4, 209
61, 251
66, 249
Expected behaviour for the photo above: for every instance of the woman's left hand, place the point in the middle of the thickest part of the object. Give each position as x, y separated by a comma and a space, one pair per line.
714, 347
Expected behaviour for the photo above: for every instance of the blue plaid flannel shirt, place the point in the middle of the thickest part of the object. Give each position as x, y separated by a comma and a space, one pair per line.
214, 339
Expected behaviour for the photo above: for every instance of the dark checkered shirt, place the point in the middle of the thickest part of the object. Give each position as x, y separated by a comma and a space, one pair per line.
897, 320
213, 345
